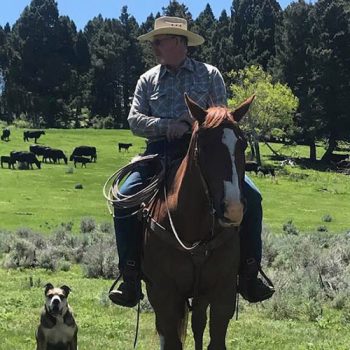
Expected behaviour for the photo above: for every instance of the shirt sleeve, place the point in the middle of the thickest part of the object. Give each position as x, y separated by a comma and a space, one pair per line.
217, 90
141, 123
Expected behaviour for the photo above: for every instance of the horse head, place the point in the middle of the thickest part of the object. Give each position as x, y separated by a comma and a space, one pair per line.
218, 147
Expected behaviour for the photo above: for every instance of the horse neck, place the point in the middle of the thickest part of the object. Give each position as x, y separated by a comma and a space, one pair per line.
188, 202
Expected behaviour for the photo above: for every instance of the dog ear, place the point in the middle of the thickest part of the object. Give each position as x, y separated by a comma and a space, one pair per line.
48, 286
66, 290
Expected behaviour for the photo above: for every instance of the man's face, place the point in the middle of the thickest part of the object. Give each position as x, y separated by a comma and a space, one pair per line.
168, 49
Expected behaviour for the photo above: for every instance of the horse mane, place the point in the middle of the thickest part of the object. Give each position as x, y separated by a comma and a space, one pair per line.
216, 116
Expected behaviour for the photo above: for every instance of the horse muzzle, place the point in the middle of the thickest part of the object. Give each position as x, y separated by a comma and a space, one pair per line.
233, 215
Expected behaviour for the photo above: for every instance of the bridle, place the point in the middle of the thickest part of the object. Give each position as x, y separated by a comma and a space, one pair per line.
196, 156
209, 197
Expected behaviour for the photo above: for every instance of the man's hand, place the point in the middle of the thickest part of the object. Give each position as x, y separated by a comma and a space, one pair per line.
177, 129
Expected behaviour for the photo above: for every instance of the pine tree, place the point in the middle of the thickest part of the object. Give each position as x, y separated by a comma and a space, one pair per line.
331, 68
205, 25
294, 66
254, 25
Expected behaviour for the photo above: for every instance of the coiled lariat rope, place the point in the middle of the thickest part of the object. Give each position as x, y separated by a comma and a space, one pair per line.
115, 199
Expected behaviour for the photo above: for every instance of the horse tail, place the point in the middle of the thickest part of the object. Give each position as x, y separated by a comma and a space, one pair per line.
183, 325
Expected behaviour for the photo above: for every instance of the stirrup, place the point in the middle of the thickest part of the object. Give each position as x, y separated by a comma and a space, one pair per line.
117, 297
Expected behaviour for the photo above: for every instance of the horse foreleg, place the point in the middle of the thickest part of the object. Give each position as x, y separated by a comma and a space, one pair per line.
170, 325
221, 311
171, 319
199, 321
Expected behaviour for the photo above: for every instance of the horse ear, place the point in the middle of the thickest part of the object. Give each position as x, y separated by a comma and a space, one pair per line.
196, 111
240, 111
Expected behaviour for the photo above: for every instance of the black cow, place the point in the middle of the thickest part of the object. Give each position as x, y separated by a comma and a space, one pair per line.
9, 160
88, 151
28, 134
251, 165
124, 146
5, 135
82, 160
26, 157
266, 170
39, 150
56, 155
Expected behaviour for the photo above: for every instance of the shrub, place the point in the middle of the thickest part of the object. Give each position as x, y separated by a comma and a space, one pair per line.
87, 225
289, 228
327, 218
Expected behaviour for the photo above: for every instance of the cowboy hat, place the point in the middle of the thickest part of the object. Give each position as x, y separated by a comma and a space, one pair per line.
172, 26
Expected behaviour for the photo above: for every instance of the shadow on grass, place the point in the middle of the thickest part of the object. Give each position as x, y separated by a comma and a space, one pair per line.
307, 163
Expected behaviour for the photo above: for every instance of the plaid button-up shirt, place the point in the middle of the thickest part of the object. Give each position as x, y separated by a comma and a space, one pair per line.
159, 96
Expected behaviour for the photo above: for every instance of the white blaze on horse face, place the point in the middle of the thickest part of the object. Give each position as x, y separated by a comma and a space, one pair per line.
232, 196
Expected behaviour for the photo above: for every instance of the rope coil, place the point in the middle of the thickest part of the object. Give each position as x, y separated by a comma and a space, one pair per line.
115, 199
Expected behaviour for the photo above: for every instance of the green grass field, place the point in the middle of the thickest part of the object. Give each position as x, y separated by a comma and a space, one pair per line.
106, 327
42, 199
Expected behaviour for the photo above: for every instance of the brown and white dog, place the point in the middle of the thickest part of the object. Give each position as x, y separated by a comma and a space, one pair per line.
57, 328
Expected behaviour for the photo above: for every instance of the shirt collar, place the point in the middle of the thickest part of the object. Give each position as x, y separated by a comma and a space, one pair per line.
187, 64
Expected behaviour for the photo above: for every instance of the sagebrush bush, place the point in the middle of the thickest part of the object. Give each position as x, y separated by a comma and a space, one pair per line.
310, 271
327, 218
87, 225
289, 228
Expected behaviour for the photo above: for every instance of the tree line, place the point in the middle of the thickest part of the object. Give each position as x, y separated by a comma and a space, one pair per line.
53, 75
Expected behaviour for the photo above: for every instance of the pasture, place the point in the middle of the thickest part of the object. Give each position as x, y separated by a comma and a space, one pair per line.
42, 199
301, 198
105, 326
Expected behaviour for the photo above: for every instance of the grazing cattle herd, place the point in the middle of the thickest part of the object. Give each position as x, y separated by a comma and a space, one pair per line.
88, 154
26, 159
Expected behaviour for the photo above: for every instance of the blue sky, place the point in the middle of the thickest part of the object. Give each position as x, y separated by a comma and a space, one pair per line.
81, 11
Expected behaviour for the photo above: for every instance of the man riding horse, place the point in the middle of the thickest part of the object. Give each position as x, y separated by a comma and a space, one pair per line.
159, 113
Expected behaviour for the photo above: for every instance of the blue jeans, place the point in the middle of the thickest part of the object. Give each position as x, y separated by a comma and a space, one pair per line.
128, 230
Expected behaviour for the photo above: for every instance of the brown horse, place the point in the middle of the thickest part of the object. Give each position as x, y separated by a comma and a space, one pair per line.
191, 247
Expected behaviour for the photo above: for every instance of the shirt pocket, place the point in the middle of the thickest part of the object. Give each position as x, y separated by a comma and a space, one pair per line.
199, 94
158, 104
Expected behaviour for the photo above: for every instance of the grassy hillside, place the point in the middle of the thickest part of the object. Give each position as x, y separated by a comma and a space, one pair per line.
42, 199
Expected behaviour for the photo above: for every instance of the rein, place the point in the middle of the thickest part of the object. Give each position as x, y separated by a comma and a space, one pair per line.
206, 190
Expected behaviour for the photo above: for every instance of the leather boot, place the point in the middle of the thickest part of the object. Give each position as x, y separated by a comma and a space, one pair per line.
250, 286
129, 292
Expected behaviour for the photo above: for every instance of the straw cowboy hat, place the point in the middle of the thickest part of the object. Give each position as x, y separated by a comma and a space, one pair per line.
172, 26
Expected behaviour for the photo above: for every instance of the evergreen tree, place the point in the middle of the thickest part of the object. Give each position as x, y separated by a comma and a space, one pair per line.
39, 79
132, 63
294, 66
222, 56
105, 43
254, 25
178, 10
147, 52
205, 25
331, 68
